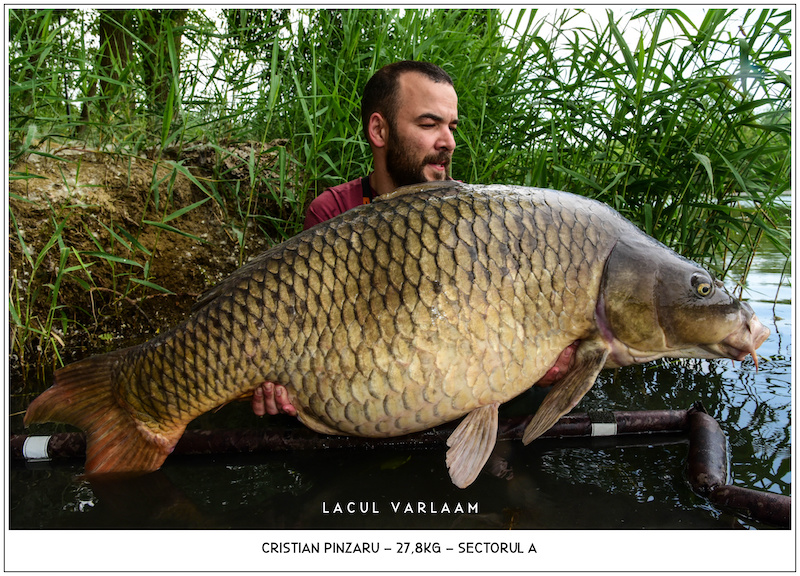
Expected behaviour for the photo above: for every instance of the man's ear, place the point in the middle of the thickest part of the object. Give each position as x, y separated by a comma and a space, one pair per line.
377, 130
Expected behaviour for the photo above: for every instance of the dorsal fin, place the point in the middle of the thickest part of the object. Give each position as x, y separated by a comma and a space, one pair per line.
416, 188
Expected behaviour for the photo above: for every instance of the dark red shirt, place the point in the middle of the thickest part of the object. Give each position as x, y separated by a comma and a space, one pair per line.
338, 199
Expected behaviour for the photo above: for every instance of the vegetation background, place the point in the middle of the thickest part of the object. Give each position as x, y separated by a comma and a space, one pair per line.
683, 126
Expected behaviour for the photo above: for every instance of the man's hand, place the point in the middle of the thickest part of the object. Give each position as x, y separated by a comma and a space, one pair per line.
271, 398
563, 364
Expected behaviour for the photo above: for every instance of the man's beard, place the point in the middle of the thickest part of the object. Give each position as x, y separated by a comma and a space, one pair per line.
404, 169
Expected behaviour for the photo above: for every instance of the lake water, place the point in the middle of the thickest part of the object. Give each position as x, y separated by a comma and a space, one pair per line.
603, 483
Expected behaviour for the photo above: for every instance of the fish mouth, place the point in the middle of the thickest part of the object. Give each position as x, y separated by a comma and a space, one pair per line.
744, 341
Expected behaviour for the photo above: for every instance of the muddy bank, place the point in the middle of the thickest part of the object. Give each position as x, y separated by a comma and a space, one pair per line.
98, 258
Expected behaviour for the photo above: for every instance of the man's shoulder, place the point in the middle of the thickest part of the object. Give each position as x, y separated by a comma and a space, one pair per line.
354, 186
342, 194
334, 201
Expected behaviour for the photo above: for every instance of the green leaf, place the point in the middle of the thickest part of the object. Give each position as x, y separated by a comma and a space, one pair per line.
112, 258
151, 285
185, 209
704, 160
169, 228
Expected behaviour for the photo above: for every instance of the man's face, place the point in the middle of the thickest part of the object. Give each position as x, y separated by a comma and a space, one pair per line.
420, 142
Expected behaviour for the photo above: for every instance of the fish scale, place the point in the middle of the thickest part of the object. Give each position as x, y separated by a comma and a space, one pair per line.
434, 302
458, 267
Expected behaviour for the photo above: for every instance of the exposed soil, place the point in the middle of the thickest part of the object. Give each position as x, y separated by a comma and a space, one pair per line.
86, 192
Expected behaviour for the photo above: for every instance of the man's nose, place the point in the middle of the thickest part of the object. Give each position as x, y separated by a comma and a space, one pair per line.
447, 140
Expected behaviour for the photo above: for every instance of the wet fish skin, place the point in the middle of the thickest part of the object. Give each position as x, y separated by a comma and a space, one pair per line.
383, 344
435, 302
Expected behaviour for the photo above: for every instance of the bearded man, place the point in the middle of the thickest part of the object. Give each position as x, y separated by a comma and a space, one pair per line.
409, 114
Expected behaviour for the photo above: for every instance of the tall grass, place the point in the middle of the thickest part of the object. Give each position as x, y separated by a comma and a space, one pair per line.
682, 125
678, 132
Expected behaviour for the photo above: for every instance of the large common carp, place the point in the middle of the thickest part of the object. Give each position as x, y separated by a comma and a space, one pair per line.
438, 301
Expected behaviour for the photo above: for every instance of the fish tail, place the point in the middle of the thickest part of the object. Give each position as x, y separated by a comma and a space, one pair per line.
83, 396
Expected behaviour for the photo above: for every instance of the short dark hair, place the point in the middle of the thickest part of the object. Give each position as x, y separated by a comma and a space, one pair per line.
381, 92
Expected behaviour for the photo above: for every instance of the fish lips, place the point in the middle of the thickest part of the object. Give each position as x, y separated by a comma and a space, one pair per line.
745, 340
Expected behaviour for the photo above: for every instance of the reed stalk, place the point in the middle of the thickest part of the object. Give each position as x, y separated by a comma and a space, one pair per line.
681, 123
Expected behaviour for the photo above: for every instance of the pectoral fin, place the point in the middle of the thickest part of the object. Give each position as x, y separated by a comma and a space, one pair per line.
471, 444
567, 392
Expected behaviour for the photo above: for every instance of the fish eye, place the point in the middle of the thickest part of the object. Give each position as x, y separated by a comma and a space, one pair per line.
704, 289
702, 285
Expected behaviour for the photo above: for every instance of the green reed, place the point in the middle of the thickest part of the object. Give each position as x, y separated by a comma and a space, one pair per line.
684, 126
